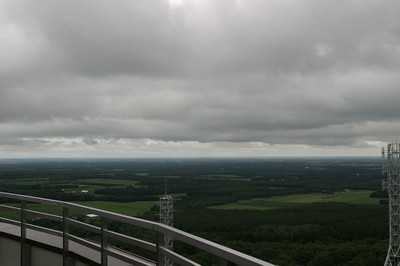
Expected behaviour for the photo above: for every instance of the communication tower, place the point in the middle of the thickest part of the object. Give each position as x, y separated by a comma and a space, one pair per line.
167, 218
392, 184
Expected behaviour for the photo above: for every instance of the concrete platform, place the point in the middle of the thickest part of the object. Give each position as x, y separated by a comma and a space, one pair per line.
46, 249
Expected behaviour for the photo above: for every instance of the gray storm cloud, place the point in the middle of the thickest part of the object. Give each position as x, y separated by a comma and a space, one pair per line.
193, 74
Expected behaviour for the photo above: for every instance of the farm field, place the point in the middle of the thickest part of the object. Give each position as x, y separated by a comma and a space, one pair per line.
287, 211
127, 208
351, 197
108, 181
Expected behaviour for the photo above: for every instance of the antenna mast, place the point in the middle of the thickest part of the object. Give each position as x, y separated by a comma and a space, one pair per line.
392, 184
167, 218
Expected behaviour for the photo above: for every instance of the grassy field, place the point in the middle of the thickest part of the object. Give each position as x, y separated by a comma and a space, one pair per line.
127, 208
32, 181
351, 197
108, 182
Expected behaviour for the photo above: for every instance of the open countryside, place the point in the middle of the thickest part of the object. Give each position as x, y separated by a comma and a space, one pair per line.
287, 211
351, 197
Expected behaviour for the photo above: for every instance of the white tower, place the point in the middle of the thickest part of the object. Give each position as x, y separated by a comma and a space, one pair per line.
392, 184
167, 218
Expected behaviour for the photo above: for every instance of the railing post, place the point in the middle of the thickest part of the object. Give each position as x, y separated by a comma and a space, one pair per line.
104, 255
160, 242
65, 236
25, 251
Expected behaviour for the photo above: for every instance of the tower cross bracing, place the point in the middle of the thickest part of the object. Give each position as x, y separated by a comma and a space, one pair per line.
392, 184
167, 218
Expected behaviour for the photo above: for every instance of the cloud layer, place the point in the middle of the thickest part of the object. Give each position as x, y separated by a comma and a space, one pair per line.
161, 78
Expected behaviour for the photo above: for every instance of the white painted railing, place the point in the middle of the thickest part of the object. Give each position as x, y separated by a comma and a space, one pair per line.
157, 248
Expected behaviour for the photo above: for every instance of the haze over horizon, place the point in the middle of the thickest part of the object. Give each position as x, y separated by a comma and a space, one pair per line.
176, 78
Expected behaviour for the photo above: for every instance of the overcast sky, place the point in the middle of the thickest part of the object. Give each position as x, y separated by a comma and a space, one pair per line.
157, 78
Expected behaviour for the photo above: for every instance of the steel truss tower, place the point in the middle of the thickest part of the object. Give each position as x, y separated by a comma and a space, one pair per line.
392, 184
167, 218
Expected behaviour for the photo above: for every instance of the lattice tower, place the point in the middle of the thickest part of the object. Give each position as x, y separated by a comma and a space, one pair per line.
167, 218
392, 184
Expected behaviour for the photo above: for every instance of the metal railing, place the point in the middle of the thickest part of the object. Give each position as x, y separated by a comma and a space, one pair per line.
156, 248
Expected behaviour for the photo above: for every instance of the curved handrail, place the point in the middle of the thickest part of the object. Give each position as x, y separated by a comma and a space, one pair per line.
224, 253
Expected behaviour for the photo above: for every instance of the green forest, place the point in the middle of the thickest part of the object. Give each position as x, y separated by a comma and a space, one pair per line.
287, 211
